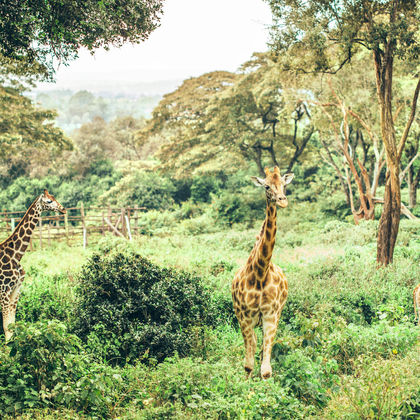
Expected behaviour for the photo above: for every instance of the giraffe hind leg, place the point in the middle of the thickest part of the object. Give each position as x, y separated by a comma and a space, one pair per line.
9, 309
269, 332
250, 341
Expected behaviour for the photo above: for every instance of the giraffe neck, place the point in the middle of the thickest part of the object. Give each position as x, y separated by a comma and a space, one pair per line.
18, 241
263, 248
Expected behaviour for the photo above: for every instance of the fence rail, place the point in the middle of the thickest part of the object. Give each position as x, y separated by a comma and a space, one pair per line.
78, 225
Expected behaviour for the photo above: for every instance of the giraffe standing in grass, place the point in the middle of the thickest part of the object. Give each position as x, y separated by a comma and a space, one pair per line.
11, 252
259, 288
416, 301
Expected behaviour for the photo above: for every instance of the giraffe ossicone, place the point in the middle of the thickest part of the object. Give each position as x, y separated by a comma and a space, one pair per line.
259, 288
12, 251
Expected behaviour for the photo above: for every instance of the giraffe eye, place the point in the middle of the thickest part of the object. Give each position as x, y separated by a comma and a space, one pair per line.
49, 201
267, 187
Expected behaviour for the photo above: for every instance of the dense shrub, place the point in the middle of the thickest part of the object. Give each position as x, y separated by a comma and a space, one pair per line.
197, 389
137, 308
48, 366
202, 187
69, 190
244, 206
380, 389
142, 188
380, 341
45, 298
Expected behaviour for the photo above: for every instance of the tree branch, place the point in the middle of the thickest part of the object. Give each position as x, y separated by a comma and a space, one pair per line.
409, 122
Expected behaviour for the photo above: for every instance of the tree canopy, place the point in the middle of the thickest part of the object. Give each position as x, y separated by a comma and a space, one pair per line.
41, 31
324, 35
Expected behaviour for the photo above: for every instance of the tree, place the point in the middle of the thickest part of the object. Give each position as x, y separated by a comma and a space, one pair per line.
181, 117
215, 119
328, 33
44, 31
28, 135
261, 116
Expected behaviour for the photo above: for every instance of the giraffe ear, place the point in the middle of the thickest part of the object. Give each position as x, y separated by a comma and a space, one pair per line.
259, 182
287, 178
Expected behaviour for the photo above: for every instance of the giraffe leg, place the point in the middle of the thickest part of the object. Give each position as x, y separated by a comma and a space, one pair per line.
9, 310
269, 331
250, 341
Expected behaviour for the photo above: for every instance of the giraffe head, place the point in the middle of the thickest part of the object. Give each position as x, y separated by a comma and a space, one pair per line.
274, 185
49, 203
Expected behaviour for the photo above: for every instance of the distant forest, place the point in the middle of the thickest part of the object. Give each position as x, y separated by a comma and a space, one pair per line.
76, 108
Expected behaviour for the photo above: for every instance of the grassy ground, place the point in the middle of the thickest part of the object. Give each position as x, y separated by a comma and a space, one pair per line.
347, 345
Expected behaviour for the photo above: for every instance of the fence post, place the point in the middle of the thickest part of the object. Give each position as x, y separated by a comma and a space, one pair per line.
103, 223
12, 222
49, 233
66, 226
82, 213
109, 217
123, 223
127, 225
136, 223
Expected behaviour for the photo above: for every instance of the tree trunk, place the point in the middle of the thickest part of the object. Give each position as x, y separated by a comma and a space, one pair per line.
390, 219
413, 183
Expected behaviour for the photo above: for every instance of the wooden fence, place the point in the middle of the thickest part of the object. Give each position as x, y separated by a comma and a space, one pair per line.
78, 225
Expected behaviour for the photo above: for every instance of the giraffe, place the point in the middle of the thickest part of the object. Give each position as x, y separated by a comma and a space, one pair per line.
11, 252
416, 300
259, 288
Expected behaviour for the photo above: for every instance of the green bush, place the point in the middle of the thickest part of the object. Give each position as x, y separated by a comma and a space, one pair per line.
196, 389
141, 188
202, 187
138, 308
380, 341
380, 389
48, 366
308, 379
245, 206
46, 298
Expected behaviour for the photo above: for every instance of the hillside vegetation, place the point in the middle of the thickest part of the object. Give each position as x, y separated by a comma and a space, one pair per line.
347, 344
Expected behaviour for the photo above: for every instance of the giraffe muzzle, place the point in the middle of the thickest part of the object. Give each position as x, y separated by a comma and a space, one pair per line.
282, 202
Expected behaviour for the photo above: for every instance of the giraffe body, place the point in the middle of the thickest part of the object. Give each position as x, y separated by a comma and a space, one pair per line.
416, 301
259, 288
11, 253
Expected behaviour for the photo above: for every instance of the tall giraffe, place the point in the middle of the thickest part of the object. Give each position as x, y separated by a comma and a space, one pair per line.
11, 252
259, 288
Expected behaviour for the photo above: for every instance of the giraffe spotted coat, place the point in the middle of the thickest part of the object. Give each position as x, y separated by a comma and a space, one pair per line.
259, 288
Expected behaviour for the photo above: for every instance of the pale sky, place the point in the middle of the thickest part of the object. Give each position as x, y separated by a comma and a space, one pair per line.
194, 37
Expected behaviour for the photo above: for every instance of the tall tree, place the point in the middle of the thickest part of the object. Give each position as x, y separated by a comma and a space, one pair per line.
328, 33
220, 118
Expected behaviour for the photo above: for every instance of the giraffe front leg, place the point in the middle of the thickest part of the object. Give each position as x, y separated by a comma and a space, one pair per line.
9, 310
269, 331
250, 341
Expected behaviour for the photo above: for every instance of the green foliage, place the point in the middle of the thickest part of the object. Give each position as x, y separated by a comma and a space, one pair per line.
378, 341
325, 35
214, 390
142, 188
139, 308
25, 128
202, 187
46, 298
380, 389
21, 192
44, 358
91, 26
